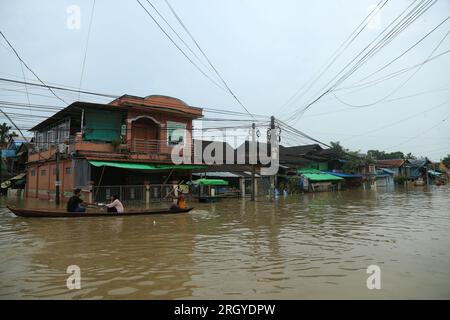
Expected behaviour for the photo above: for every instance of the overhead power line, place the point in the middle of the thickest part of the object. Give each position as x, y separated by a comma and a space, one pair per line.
397, 73
399, 121
206, 57
178, 47
402, 84
59, 88
337, 53
390, 32
26, 66
87, 46
421, 133
406, 51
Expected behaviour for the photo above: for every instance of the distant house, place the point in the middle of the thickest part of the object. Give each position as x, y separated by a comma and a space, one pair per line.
19, 154
350, 179
305, 156
13, 164
415, 169
385, 178
219, 151
125, 142
395, 165
316, 180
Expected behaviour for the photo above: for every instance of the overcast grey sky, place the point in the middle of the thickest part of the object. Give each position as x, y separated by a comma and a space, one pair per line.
265, 50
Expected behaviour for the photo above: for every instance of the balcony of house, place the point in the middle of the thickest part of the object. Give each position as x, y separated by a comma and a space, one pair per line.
140, 138
133, 149
130, 132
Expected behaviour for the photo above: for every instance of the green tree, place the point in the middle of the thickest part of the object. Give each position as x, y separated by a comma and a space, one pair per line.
410, 156
382, 155
354, 159
376, 154
395, 155
338, 150
5, 135
446, 161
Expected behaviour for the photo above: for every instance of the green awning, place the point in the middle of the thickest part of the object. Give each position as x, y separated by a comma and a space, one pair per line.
317, 175
321, 177
308, 170
144, 166
211, 182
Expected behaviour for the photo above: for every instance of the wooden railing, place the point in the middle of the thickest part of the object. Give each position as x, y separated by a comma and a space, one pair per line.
143, 146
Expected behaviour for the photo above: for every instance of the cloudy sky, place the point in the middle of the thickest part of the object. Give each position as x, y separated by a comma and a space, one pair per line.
265, 50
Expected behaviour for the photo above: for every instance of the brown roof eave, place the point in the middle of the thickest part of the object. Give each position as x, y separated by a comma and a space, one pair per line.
165, 109
73, 109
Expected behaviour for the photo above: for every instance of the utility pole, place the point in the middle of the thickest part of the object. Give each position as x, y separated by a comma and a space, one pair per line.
1, 160
253, 165
269, 142
57, 182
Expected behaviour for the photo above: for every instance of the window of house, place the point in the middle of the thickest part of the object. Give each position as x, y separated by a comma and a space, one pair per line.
43, 173
51, 135
41, 141
68, 170
176, 133
33, 173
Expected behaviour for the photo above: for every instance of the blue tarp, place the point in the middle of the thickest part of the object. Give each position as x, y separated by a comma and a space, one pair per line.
8, 153
434, 173
387, 171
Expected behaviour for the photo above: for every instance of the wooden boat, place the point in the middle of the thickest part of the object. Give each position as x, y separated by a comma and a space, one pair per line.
58, 213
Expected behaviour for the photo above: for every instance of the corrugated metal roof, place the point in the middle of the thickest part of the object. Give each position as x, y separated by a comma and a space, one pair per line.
218, 174
322, 177
418, 162
387, 171
390, 162
345, 175
211, 182
317, 175
308, 170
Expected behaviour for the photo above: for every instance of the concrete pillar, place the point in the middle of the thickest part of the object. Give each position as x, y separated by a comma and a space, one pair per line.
78, 137
147, 193
242, 186
272, 186
91, 188
129, 133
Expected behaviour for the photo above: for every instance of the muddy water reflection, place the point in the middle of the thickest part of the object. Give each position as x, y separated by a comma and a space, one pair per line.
308, 246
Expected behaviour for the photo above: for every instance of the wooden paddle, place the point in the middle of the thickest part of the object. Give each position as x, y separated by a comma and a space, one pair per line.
173, 189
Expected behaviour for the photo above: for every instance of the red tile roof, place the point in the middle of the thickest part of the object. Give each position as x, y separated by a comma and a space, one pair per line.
390, 163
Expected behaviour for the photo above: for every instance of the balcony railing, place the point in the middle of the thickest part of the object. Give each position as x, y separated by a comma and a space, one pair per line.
143, 146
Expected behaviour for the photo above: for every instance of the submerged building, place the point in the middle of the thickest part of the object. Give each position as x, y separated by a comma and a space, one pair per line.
127, 142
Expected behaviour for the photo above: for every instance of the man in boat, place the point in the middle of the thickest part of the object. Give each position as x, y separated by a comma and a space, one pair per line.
181, 203
74, 203
115, 205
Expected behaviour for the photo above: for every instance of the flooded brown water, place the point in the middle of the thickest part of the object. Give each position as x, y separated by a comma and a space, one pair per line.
304, 246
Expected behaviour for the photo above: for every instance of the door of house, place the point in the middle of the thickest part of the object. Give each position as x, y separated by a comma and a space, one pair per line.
145, 136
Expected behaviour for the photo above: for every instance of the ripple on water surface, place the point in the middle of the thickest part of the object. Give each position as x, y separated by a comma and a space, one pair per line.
304, 246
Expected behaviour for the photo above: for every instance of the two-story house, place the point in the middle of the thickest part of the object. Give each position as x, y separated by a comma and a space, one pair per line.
125, 142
